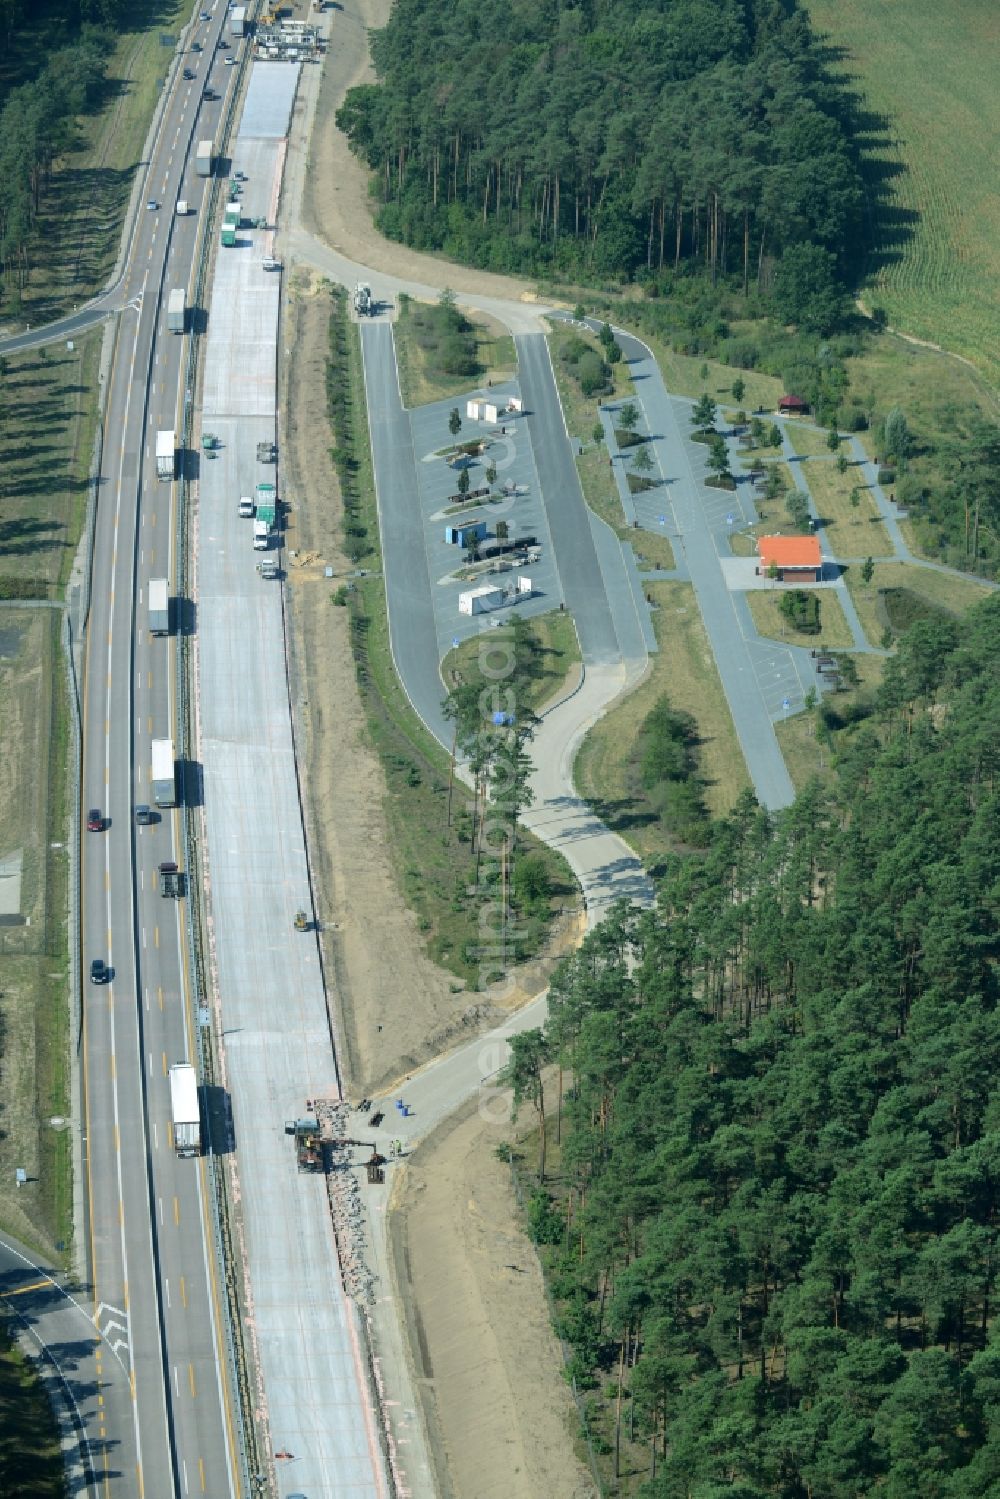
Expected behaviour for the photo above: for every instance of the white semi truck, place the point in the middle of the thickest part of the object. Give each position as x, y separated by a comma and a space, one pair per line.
164, 773
166, 455
185, 1115
159, 606
176, 311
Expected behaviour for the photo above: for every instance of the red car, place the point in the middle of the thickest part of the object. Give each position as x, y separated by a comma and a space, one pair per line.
95, 820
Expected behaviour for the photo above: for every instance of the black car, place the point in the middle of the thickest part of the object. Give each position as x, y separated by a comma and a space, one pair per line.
143, 816
188, 74
100, 973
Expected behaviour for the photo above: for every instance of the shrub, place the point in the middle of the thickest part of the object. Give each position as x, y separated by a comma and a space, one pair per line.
801, 610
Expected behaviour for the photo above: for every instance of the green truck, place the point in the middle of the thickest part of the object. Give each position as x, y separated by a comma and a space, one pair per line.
267, 504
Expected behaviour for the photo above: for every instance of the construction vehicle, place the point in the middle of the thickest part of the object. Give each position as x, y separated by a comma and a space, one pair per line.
267, 452
301, 921
364, 306
315, 1143
172, 882
309, 1154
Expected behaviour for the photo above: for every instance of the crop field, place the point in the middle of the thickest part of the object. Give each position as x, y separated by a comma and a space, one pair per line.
931, 73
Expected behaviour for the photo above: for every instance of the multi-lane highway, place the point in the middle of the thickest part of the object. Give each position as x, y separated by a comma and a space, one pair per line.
171, 1429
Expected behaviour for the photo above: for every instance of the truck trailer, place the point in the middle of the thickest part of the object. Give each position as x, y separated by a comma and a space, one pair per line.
364, 306
166, 455
238, 20
164, 773
185, 1115
176, 311
159, 606
203, 159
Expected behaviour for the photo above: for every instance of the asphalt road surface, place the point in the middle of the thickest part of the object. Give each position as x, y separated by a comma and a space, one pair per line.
169, 1429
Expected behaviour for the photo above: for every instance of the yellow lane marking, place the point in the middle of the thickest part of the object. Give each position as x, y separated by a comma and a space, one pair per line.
194, 1395
177, 1212
184, 1298
36, 1285
164, 1055
201, 1473
156, 936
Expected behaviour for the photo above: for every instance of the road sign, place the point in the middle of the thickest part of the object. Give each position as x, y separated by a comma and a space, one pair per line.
730, 519
662, 519
454, 643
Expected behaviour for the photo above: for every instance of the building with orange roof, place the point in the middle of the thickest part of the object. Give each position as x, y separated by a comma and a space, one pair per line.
792, 559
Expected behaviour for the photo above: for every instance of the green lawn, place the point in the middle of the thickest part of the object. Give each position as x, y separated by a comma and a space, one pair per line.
423, 377
33, 962
684, 670
953, 594
553, 634
48, 416
930, 70
767, 616
596, 478
850, 531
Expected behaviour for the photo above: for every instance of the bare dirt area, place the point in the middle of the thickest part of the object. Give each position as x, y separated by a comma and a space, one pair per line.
335, 203
500, 1418
390, 998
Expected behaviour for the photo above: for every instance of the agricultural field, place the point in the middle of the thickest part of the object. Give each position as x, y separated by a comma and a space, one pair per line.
931, 73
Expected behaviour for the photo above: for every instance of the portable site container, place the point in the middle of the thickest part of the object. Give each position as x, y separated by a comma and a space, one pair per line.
464, 536
479, 600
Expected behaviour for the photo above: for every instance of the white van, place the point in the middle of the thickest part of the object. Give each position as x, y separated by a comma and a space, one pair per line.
270, 264
246, 506
261, 535
182, 207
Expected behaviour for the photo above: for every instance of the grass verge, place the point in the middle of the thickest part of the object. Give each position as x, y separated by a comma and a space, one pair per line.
582, 419
553, 640
34, 742
941, 590
834, 632
48, 405
425, 347
683, 670
431, 851
852, 531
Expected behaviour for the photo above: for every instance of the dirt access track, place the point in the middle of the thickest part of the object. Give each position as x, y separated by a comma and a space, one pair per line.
509, 1428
